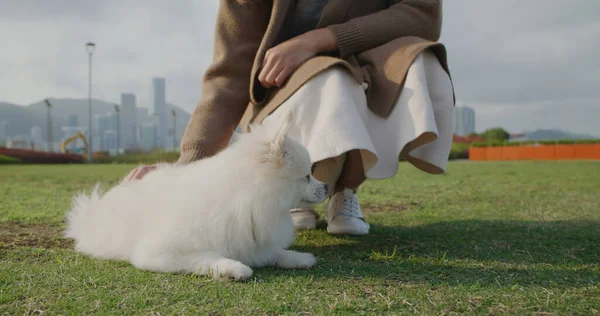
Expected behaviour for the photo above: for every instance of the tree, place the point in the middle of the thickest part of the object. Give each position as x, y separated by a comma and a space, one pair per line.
495, 134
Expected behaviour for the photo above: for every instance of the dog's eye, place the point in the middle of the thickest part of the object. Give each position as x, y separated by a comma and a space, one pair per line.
307, 178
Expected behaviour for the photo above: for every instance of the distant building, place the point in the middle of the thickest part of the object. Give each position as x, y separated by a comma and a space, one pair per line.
142, 114
110, 140
464, 120
20, 142
159, 109
148, 134
128, 121
97, 142
106, 123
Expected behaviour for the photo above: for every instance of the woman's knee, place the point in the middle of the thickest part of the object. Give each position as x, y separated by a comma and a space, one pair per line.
336, 75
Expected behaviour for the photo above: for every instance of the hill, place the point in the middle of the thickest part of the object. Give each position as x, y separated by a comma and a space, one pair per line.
554, 134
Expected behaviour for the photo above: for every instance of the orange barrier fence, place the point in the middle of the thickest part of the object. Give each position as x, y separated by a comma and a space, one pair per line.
542, 152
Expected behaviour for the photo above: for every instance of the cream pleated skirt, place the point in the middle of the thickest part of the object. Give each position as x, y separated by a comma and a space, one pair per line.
331, 117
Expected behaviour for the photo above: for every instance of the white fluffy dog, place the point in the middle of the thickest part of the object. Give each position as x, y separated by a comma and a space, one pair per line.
218, 216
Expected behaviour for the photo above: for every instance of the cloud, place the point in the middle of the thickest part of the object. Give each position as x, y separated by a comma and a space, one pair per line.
515, 51
520, 63
135, 41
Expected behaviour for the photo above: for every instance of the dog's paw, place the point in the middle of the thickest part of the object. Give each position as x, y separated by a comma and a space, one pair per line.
230, 269
305, 261
295, 260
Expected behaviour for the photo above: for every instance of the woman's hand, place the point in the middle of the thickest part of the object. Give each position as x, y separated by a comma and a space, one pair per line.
281, 60
138, 173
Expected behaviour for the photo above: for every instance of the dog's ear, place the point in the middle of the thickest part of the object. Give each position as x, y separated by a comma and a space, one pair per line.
278, 142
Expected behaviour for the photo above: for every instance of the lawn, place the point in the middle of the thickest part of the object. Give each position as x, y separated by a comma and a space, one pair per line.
485, 238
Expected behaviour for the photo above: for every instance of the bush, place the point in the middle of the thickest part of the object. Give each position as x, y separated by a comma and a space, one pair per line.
459, 151
587, 141
498, 143
564, 142
512, 144
527, 143
6, 160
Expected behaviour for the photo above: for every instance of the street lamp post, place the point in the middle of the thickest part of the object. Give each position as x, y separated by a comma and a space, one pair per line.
90, 50
118, 110
174, 114
49, 105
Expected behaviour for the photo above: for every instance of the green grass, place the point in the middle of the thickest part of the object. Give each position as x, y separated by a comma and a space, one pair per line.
485, 238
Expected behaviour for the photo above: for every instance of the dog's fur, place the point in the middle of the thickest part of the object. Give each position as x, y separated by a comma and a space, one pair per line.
218, 216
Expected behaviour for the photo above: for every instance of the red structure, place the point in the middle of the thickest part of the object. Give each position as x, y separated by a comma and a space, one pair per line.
40, 157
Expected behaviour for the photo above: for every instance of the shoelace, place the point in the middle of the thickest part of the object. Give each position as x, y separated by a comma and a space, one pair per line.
351, 208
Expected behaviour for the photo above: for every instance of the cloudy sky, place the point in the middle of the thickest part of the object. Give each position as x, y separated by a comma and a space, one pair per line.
521, 64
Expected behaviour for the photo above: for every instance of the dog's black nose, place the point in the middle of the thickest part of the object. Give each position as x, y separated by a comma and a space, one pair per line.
326, 187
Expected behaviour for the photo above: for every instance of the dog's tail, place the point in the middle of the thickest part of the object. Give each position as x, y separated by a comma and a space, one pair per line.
80, 217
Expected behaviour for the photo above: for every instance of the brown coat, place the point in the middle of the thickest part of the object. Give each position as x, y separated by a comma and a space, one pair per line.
377, 42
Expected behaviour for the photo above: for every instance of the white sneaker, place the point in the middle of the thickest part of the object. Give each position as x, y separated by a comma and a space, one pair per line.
344, 216
304, 218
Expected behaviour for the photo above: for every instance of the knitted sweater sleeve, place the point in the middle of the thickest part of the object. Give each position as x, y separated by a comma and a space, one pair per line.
421, 18
240, 27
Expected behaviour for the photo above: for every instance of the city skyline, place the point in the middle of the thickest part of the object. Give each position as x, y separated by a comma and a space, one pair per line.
150, 130
123, 124
531, 73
